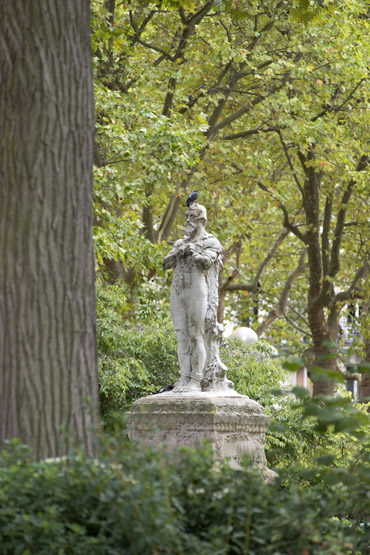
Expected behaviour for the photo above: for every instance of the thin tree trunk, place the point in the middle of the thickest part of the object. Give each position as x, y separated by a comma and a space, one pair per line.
365, 381
48, 366
364, 389
280, 307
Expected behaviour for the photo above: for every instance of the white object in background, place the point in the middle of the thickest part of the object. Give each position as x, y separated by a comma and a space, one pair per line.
245, 334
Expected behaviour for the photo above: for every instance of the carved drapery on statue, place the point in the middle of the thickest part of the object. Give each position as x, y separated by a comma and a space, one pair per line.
197, 260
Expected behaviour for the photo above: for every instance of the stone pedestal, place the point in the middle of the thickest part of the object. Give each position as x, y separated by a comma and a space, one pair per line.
234, 424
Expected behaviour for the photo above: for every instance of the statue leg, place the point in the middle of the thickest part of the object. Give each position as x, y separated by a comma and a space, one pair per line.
183, 353
180, 319
188, 311
198, 356
197, 309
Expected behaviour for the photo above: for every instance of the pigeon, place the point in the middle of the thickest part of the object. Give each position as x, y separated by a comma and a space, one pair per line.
192, 198
166, 389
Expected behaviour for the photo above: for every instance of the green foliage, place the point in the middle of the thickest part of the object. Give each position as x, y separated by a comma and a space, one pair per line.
80, 506
294, 439
301, 429
139, 359
229, 97
253, 370
140, 502
134, 361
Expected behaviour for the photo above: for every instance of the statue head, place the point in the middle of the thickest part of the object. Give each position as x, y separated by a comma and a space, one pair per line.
196, 218
197, 212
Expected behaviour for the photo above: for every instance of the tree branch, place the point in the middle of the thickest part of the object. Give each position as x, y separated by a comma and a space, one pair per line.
191, 22
353, 290
325, 233
339, 228
287, 155
222, 291
147, 217
336, 109
255, 285
154, 47
298, 328
292, 309
281, 306
168, 217
248, 133
289, 226
169, 96
239, 113
262, 267
179, 54
192, 102
232, 80
147, 44
175, 203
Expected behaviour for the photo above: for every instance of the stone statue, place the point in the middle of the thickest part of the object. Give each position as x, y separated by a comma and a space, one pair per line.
197, 260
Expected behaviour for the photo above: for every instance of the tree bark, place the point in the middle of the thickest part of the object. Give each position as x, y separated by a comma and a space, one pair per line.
48, 363
365, 380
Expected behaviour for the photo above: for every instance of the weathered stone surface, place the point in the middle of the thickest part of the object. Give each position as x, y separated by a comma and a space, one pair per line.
196, 260
203, 404
234, 424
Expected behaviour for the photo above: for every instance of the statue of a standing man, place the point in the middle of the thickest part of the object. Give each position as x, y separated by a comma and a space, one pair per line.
197, 259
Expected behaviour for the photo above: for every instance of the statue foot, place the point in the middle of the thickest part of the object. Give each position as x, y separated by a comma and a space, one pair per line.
194, 385
181, 384
186, 385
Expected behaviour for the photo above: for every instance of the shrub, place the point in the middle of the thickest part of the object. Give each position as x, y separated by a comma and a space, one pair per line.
136, 501
134, 359
135, 362
252, 369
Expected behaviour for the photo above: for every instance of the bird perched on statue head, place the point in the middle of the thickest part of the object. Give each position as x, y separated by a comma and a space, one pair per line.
192, 198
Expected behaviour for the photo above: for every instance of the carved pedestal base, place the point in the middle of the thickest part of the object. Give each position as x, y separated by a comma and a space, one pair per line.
235, 425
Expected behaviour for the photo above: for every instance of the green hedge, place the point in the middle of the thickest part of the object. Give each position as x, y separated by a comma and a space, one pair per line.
138, 502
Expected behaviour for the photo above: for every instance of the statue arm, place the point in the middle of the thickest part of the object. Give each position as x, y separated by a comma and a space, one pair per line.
173, 256
171, 260
207, 258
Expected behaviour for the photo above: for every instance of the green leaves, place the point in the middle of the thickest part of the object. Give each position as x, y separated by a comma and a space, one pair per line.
138, 500
338, 414
300, 392
165, 107
293, 364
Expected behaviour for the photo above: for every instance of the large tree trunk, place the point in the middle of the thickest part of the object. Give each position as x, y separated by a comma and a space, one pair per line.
48, 367
324, 353
317, 270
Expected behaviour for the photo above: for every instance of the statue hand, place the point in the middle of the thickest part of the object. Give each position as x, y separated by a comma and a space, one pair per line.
169, 262
203, 262
189, 249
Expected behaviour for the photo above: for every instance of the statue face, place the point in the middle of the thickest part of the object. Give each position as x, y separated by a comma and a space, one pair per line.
191, 226
195, 218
